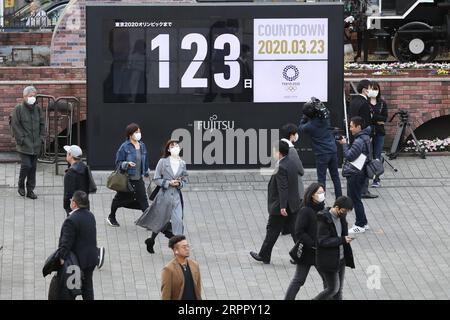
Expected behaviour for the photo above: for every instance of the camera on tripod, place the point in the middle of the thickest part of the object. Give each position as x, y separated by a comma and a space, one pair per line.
320, 111
403, 115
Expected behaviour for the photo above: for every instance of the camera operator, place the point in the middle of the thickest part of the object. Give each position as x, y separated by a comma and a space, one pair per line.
360, 107
316, 123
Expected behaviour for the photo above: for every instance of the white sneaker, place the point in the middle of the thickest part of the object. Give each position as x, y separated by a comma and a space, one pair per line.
356, 229
367, 227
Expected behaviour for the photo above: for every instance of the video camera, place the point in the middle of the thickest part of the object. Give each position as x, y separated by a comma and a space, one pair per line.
320, 111
403, 115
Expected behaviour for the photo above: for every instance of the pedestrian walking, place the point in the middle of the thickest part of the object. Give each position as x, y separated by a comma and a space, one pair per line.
356, 177
180, 278
283, 200
28, 128
334, 252
76, 176
166, 211
379, 118
79, 235
131, 157
290, 136
306, 232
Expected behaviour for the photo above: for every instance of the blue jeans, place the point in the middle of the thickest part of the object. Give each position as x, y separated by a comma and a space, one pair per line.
329, 161
378, 143
355, 184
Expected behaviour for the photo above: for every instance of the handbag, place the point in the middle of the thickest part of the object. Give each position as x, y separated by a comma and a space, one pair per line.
296, 251
151, 193
374, 167
118, 180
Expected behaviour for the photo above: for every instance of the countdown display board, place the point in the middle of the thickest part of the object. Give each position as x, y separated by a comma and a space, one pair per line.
223, 78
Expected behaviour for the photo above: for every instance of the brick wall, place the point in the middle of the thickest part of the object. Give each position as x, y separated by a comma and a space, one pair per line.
425, 97
25, 38
51, 81
68, 47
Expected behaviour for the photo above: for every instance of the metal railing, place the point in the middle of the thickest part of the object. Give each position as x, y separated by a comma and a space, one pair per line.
30, 23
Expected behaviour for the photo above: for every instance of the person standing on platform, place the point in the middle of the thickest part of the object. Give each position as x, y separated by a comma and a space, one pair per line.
28, 128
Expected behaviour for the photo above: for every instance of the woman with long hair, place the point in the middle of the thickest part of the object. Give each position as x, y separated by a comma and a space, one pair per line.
379, 118
166, 212
306, 232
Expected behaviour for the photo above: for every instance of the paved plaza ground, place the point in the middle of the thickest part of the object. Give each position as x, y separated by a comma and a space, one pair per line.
225, 218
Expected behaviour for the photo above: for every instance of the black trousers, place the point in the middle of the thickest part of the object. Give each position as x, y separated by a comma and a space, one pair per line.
334, 283
28, 165
274, 226
132, 200
87, 286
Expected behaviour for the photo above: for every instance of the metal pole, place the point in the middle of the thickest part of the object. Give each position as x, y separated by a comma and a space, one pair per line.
345, 116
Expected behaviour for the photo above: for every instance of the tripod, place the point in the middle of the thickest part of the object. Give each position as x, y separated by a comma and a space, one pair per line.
383, 159
398, 143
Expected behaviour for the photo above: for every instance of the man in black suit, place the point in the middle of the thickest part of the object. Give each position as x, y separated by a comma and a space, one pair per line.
283, 200
360, 107
79, 235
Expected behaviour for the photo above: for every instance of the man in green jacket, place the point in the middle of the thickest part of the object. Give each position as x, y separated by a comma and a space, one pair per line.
28, 128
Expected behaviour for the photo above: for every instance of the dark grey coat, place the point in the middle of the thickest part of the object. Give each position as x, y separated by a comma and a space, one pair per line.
28, 128
283, 188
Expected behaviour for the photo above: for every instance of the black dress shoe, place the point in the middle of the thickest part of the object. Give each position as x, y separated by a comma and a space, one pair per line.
257, 257
21, 192
31, 195
369, 195
150, 243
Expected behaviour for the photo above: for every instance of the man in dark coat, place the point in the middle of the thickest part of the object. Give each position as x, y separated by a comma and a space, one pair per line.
79, 235
290, 136
360, 107
333, 252
283, 201
28, 128
323, 145
76, 177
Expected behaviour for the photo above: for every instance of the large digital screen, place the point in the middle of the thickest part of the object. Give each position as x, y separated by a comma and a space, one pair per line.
224, 77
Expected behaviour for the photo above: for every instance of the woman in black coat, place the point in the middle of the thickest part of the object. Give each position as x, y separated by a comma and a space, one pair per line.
379, 118
333, 252
306, 232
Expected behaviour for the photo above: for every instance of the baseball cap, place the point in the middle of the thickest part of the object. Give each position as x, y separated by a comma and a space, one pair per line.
74, 150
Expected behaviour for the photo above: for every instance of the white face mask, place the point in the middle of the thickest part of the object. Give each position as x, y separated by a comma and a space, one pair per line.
31, 100
175, 151
296, 137
321, 197
137, 136
372, 93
